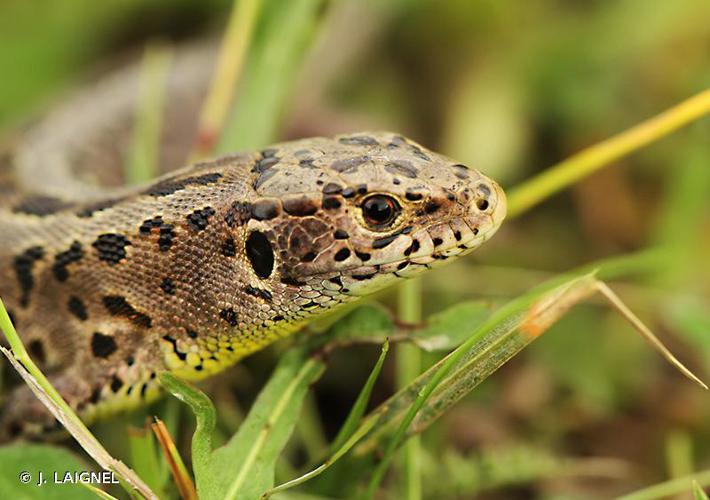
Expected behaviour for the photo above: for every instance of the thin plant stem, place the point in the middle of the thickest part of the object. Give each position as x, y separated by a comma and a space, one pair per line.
230, 63
142, 164
21, 361
309, 429
349, 434
177, 467
679, 453
670, 488
588, 161
646, 333
409, 365
274, 63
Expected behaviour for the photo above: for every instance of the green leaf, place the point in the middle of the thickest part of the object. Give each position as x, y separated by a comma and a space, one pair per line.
32, 459
205, 417
358, 409
370, 322
347, 436
145, 459
447, 329
443, 330
244, 467
489, 346
698, 493
273, 65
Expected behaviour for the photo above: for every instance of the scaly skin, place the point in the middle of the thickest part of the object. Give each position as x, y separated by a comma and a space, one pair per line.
211, 263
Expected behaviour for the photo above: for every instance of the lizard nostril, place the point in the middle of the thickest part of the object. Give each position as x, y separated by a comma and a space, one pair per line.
482, 204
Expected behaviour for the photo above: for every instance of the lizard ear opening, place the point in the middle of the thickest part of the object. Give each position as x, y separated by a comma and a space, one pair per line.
260, 254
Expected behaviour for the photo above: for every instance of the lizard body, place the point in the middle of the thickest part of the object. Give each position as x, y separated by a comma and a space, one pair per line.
212, 262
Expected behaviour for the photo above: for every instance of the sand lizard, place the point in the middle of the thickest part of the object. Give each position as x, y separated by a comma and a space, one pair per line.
212, 262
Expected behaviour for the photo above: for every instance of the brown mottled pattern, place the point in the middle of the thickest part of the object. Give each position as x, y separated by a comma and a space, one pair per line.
113, 298
210, 263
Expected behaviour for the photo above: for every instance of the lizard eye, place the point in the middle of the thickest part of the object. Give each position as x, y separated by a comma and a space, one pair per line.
379, 211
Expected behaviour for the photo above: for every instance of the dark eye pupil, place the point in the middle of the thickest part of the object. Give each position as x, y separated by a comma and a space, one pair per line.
378, 210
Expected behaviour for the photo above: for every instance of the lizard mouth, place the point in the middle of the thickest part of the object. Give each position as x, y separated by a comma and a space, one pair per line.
441, 251
414, 252
440, 243
442, 240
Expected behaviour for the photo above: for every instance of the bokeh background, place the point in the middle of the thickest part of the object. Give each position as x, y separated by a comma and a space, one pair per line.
588, 411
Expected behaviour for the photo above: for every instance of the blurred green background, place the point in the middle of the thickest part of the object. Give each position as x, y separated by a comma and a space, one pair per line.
509, 87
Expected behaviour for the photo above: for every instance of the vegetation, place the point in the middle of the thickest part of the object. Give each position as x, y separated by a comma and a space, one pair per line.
587, 410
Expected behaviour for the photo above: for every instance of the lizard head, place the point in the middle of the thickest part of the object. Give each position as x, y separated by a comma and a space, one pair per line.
344, 217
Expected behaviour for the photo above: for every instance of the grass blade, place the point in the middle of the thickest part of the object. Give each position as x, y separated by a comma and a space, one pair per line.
177, 467
232, 55
145, 459
646, 333
571, 170
244, 467
43, 390
358, 409
273, 64
698, 493
144, 156
98, 491
670, 488
344, 440
205, 417
282, 398
408, 367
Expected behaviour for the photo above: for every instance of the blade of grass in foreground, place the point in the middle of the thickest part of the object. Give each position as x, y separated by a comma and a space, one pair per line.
349, 431
409, 366
181, 476
205, 419
698, 493
358, 409
504, 334
43, 390
144, 458
244, 467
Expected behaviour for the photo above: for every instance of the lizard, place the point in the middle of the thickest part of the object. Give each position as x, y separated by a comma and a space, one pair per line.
207, 264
